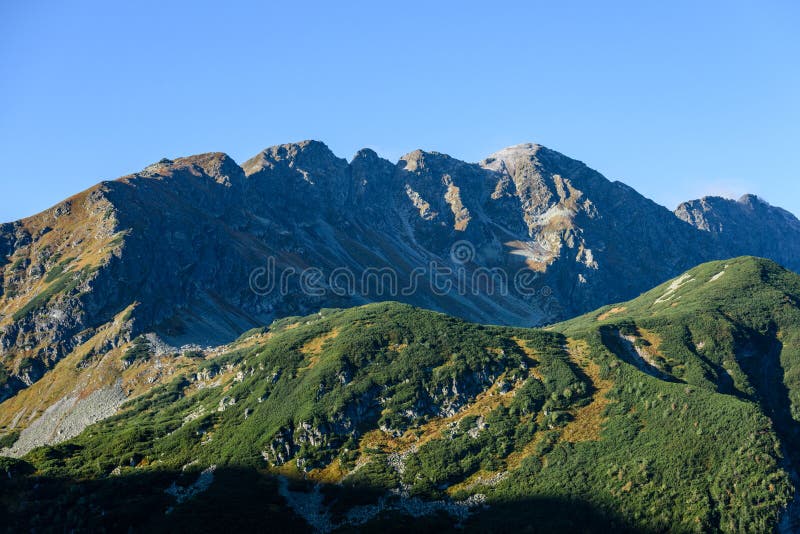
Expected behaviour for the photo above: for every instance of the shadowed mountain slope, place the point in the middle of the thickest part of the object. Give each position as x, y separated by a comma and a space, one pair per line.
676, 411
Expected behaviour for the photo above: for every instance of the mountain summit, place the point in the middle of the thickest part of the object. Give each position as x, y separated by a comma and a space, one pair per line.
196, 250
746, 224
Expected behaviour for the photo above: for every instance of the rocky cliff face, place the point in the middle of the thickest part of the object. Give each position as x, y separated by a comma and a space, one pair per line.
200, 249
592, 240
746, 225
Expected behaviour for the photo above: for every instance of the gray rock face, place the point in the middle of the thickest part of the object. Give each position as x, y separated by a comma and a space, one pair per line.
593, 240
66, 419
194, 249
748, 226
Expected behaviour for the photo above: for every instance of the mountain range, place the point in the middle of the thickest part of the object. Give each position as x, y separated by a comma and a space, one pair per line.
134, 330
173, 248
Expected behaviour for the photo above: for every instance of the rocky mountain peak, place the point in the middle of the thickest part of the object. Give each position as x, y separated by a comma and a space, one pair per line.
218, 165
714, 213
752, 200
758, 204
534, 165
308, 156
372, 179
189, 231
156, 169
299, 176
438, 168
749, 223
415, 160
365, 154
506, 159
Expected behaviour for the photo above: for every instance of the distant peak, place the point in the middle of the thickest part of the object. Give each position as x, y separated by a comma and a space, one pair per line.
310, 146
749, 199
713, 201
218, 165
506, 159
366, 159
419, 159
366, 154
309, 153
421, 154
207, 160
520, 149
157, 167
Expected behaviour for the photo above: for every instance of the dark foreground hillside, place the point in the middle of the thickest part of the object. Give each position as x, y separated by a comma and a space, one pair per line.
677, 411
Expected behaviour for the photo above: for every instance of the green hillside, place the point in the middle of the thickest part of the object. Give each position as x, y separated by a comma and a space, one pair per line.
676, 411
730, 326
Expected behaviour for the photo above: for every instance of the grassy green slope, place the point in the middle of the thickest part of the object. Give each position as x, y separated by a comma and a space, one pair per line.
731, 326
653, 415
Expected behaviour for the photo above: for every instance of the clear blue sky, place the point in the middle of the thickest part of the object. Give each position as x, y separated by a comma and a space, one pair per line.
677, 99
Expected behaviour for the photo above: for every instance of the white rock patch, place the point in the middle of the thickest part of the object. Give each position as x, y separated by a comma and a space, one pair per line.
310, 506
674, 286
203, 482
719, 274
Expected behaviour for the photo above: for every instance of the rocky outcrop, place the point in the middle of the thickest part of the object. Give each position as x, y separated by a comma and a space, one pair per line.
185, 493
586, 235
58, 285
748, 226
281, 449
449, 391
